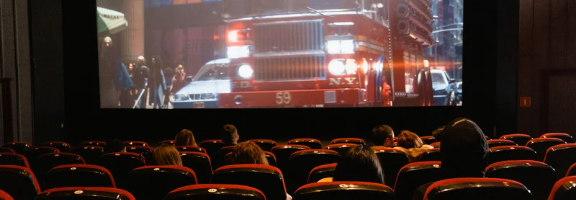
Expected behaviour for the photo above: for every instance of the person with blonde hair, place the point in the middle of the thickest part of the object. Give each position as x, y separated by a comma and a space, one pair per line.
412, 145
185, 138
248, 153
166, 155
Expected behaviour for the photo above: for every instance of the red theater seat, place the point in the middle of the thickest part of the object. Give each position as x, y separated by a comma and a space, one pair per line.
191, 148
344, 190
18, 147
538, 177
120, 164
564, 136
303, 161
13, 159
93, 143
561, 157
62, 146
19, 182
320, 172
391, 160
271, 158
541, 145
309, 142
571, 170
139, 149
431, 155
85, 193
89, 153
212, 146
7, 150
265, 144
428, 139
78, 175
136, 143
266, 178
5, 196
414, 175
502, 153
564, 189
477, 189
216, 192
46, 162
500, 142
341, 148
283, 152
199, 163
518, 138
219, 158
155, 182
435, 144
348, 140
33, 153
169, 142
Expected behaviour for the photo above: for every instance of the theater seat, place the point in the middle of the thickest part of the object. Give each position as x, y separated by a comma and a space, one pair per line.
341, 148
199, 163
283, 152
477, 189
518, 138
139, 149
271, 158
428, 139
18, 147
212, 146
155, 182
62, 146
19, 182
561, 157
85, 193
5, 196
564, 189
136, 143
91, 154
191, 148
169, 142
537, 176
348, 140
216, 192
78, 175
320, 172
502, 153
431, 155
500, 142
303, 161
344, 190
13, 159
46, 162
33, 153
541, 145
265, 178
435, 144
7, 150
571, 170
309, 142
264, 144
414, 175
391, 160
120, 164
92, 143
218, 158
564, 136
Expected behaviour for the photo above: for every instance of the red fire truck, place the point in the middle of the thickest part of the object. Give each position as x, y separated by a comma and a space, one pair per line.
328, 53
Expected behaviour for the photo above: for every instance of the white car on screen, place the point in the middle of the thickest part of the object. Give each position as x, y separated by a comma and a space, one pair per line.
203, 90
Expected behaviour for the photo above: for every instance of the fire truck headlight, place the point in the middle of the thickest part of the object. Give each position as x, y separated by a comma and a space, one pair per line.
233, 35
347, 46
340, 46
245, 71
238, 51
337, 67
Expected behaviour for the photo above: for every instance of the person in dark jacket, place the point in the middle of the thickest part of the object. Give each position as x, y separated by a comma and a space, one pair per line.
158, 83
140, 77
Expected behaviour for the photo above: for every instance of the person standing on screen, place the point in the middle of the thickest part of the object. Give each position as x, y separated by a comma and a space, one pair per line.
169, 77
123, 84
179, 79
158, 83
140, 76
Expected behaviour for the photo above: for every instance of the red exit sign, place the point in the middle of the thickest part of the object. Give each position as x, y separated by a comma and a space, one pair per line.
525, 101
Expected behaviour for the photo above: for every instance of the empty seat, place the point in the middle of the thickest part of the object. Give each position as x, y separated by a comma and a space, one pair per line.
120, 164
91, 154
414, 175
212, 146
564, 189
200, 163
431, 155
561, 157
139, 149
477, 189
46, 162
216, 192
435, 144
78, 175
283, 152
265, 178
309, 142
502, 153
571, 170
341, 148
62, 146
264, 144
13, 159
191, 148
320, 172
500, 142
7, 150
155, 182
136, 143
348, 140
18, 147
391, 160
564, 136
171, 142
541, 145
85, 193
270, 157
93, 143
19, 182
303, 161
537, 176
518, 138
5, 196
344, 190
33, 153
428, 139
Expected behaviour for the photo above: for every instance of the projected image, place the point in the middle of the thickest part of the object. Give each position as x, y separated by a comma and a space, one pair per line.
194, 54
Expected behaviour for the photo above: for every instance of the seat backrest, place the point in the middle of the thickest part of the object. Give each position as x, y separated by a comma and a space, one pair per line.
391, 160
518, 138
33, 153
62, 146
283, 152
265, 144
78, 175
91, 154
431, 155
320, 172
200, 163
309, 142
341, 148
267, 179
120, 164
85, 193
18, 147
571, 170
344, 190
303, 161
502, 153
19, 182
218, 157
564, 136
414, 175
13, 159
561, 157
136, 143
191, 148
7, 150
92, 143
477, 189
216, 192
5, 196
537, 176
500, 142
541, 145
169, 142
139, 149
271, 158
212, 146
46, 162
564, 189
428, 139
156, 181
348, 140
435, 144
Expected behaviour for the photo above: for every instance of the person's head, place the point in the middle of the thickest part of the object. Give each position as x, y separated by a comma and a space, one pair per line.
166, 154
229, 134
438, 133
114, 145
464, 151
359, 164
108, 41
248, 153
383, 135
408, 140
130, 67
141, 60
185, 138
180, 69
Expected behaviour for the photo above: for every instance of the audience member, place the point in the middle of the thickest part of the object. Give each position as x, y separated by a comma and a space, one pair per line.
438, 133
248, 153
358, 164
185, 138
412, 145
114, 145
166, 154
229, 135
383, 136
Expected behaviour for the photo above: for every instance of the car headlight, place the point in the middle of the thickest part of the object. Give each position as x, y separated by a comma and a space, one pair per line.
340, 46
238, 51
181, 97
342, 67
245, 71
